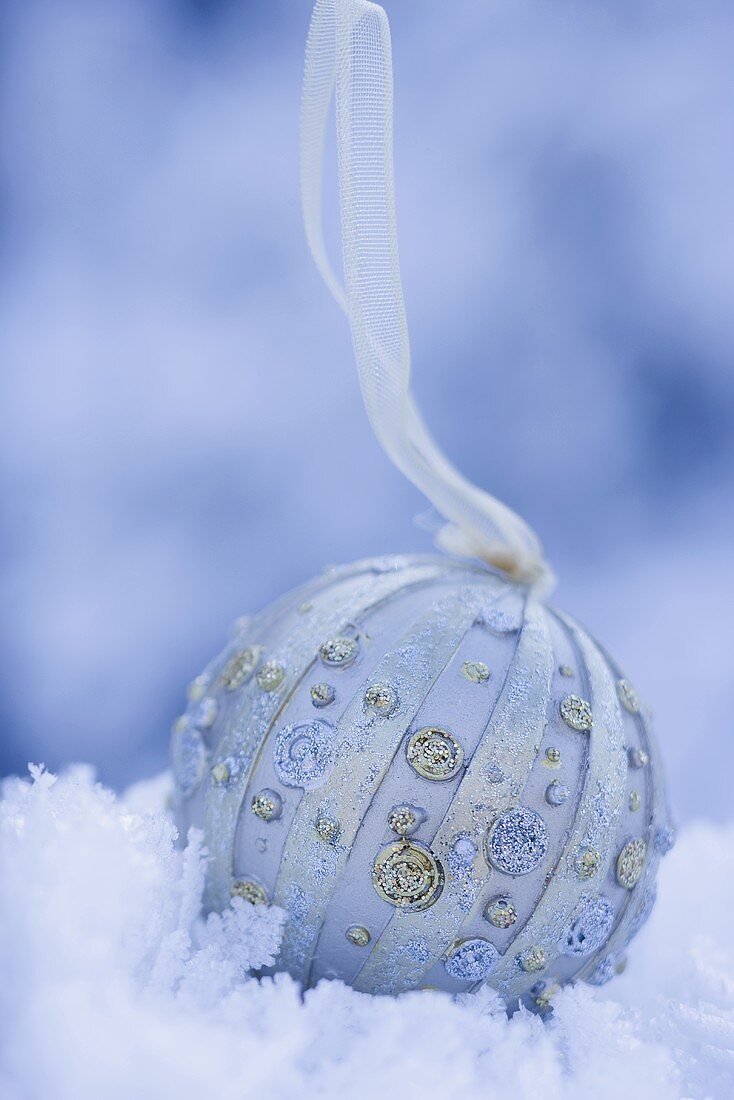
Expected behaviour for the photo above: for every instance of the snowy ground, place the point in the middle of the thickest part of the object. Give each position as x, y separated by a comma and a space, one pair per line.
111, 987
170, 354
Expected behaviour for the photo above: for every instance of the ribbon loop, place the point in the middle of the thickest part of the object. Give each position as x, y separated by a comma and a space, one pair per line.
349, 60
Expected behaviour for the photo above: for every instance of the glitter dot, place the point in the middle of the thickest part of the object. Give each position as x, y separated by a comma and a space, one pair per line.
416, 950
221, 773
517, 841
501, 912
603, 972
499, 622
552, 757
358, 935
628, 696
464, 849
338, 652
204, 714
590, 927
556, 793
533, 960
381, 699
643, 911
494, 772
587, 862
403, 820
664, 839
566, 670
635, 801
471, 960
544, 996
407, 875
270, 676
197, 688
476, 671
638, 758
240, 667
266, 805
434, 753
250, 891
630, 863
322, 695
305, 607
327, 829
189, 759
303, 754
240, 625
576, 713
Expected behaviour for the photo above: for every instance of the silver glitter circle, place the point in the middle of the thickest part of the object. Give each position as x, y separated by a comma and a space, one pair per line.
472, 960
517, 841
303, 754
590, 927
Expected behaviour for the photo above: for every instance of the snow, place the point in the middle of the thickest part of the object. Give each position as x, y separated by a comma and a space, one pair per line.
112, 986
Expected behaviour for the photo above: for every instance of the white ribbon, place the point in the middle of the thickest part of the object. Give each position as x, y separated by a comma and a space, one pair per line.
349, 56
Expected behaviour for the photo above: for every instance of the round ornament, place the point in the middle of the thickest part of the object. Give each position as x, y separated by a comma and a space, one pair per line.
406, 812
441, 780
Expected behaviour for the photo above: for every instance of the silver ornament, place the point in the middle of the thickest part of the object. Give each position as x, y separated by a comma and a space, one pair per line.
415, 834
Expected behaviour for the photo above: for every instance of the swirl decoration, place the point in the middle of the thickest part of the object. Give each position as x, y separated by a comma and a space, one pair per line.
303, 754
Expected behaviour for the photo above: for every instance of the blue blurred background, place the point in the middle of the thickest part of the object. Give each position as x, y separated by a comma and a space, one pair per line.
177, 382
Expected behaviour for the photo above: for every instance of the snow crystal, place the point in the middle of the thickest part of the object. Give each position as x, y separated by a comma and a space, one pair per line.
113, 986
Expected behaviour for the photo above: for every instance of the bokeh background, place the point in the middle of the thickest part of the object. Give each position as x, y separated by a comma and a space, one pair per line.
181, 433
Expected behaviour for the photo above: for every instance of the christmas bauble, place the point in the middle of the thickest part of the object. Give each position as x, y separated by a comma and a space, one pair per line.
441, 780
